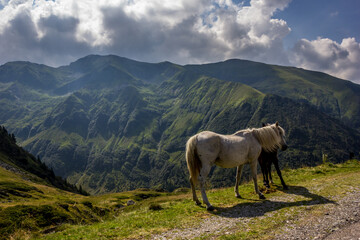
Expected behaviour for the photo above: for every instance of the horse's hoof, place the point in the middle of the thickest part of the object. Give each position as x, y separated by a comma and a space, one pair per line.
198, 203
262, 197
285, 187
238, 196
210, 208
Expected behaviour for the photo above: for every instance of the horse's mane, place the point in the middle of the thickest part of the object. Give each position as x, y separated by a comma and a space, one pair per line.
266, 136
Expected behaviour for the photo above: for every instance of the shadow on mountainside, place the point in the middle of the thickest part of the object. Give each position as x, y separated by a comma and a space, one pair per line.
259, 208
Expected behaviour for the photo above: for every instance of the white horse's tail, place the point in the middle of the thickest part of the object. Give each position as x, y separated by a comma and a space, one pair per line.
192, 159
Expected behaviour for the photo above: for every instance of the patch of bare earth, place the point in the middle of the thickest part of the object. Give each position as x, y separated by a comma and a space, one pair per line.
339, 220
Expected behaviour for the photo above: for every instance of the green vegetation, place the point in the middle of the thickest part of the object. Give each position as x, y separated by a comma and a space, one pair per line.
48, 213
323, 91
18, 160
27, 206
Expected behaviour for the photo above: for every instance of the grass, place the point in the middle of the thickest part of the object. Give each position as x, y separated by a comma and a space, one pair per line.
52, 214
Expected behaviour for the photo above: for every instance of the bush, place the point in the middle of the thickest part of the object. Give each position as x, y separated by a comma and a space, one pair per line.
87, 203
155, 207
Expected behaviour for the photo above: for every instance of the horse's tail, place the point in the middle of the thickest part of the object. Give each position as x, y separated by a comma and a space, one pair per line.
192, 159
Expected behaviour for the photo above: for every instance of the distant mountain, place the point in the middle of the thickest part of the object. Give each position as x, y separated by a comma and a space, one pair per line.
336, 97
112, 124
31, 75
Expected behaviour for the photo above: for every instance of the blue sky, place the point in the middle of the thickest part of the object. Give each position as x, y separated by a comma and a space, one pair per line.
321, 35
334, 19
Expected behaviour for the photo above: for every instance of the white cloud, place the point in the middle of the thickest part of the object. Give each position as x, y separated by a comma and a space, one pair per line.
334, 14
184, 31
323, 54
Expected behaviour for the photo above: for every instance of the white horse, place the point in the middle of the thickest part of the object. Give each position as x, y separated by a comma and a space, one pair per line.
205, 149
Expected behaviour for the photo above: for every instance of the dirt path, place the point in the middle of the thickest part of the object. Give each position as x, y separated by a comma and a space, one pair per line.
350, 232
333, 221
320, 218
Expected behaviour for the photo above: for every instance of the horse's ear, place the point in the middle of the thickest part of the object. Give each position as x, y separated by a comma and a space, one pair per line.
277, 123
263, 124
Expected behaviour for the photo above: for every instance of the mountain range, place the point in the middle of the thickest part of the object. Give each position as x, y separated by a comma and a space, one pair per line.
113, 124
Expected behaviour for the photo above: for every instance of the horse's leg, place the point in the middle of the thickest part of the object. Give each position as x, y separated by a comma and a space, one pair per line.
202, 179
266, 170
195, 198
276, 163
269, 172
263, 168
253, 167
238, 177
263, 171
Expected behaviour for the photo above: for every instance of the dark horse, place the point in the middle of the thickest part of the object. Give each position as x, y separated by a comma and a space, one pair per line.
265, 159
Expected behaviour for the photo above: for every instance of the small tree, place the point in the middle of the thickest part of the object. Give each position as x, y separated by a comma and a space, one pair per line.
324, 158
52, 174
13, 138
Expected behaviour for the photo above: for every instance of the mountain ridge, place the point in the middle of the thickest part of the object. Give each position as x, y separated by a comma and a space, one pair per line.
321, 85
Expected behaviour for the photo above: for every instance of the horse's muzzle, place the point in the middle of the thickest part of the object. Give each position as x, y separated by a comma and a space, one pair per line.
284, 147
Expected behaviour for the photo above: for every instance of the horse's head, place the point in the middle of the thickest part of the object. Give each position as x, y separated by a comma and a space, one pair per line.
280, 133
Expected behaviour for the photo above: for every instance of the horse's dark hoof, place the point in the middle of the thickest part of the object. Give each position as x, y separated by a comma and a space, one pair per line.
198, 203
238, 196
262, 197
211, 208
286, 188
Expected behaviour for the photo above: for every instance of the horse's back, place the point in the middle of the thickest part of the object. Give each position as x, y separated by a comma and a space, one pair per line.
237, 150
208, 143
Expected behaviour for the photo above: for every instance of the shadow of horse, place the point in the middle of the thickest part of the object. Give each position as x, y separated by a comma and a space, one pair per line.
260, 208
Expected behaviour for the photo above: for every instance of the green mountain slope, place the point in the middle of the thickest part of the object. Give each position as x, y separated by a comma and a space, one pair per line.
34, 201
113, 124
31, 75
335, 97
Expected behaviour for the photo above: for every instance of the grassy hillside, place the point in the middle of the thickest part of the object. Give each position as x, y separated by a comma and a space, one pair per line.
29, 205
48, 213
31, 75
18, 160
333, 96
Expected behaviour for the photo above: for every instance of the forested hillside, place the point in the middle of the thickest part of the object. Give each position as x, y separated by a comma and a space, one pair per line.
19, 161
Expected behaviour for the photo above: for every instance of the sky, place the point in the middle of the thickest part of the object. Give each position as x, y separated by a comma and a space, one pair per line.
320, 35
